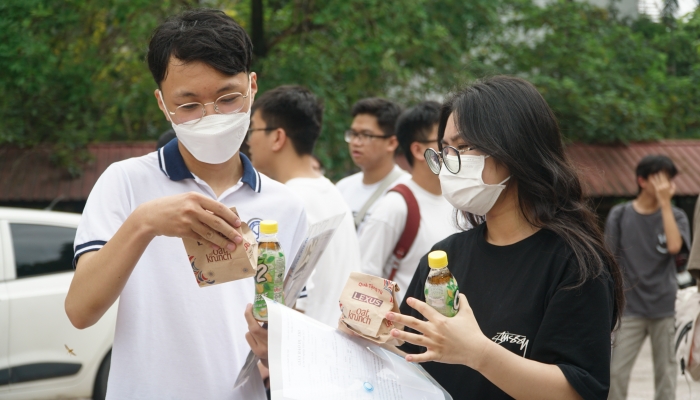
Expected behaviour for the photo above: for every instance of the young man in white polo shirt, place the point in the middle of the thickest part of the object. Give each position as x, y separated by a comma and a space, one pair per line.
285, 125
416, 130
174, 339
372, 144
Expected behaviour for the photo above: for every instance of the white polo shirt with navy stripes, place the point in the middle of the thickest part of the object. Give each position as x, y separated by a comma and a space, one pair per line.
175, 340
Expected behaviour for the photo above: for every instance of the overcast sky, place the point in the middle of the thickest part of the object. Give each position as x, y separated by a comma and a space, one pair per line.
687, 6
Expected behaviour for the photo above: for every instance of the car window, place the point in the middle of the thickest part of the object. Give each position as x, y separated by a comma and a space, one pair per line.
42, 249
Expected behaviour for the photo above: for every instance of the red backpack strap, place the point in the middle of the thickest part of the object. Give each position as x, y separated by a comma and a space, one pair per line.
410, 231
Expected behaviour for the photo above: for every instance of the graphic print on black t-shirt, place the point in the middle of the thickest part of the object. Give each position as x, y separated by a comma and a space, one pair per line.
506, 339
522, 297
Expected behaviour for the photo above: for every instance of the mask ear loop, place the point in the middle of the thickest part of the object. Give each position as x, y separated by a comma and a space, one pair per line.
170, 117
250, 92
504, 181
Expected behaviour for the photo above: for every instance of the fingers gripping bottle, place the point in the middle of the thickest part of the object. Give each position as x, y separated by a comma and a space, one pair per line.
269, 278
441, 291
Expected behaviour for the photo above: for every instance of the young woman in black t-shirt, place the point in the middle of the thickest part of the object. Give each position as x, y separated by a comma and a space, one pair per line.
544, 293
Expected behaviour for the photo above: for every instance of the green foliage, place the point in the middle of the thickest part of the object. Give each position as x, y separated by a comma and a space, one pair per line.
74, 70
73, 73
347, 50
607, 79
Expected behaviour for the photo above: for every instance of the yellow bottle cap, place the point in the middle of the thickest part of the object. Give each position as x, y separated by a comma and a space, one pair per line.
437, 259
268, 227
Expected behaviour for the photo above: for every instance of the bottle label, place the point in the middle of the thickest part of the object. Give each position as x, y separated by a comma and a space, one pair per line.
269, 281
443, 297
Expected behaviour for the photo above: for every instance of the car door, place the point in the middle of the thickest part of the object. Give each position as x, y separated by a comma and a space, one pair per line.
40, 334
4, 312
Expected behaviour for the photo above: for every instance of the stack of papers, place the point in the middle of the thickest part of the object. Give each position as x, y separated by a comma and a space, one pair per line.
309, 360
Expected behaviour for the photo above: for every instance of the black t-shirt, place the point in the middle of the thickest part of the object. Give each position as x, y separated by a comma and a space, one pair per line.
522, 299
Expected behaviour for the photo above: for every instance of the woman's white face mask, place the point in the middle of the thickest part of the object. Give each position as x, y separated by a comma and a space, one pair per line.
217, 137
466, 190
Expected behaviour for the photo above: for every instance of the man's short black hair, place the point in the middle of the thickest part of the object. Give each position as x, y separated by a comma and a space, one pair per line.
205, 35
296, 110
415, 124
386, 112
653, 164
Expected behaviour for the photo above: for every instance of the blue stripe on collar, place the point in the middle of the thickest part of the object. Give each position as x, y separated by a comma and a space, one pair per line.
171, 162
251, 177
173, 166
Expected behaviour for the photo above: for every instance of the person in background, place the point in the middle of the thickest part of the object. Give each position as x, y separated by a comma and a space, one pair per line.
372, 144
543, 293
285, 125
165, 138
416, 131
317, 165
645, 234
173, 339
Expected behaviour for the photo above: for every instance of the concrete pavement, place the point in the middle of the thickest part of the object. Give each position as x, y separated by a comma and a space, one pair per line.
642, 380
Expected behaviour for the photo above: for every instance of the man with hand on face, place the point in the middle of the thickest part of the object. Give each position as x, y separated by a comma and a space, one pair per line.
285, 125
384, 230
174, 339
372, 145
645, 235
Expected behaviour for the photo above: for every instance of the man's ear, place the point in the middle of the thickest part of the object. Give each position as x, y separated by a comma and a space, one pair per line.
157, 94
253, 86
392, 144
279, 139
417, 151
642, 182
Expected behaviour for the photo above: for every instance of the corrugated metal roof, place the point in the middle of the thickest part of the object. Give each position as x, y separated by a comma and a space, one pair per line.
609, 170
606, 170
29, 175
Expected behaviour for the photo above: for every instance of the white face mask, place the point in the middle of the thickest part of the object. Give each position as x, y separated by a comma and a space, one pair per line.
466, 190
216, 137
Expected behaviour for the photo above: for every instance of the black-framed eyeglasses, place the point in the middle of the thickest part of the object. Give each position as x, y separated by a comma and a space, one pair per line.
427, 141
363, 136
449, 156
251, 130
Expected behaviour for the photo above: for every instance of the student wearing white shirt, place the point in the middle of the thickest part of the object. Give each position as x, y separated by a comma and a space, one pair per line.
285, 125
372, 145
416, 130
174, 339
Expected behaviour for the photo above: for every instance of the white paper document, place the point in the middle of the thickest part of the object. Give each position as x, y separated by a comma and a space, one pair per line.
300, 270
310, 360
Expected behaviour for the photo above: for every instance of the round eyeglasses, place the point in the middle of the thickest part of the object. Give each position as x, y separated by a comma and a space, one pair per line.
449, 156
191, 113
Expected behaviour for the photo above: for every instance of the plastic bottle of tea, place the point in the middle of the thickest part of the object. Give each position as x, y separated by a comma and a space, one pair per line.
441, 291
269, 278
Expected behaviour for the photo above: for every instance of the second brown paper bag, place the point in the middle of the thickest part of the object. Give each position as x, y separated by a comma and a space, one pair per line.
364, 302
211, 267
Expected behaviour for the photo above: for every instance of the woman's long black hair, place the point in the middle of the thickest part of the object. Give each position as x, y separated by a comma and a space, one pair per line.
507, 118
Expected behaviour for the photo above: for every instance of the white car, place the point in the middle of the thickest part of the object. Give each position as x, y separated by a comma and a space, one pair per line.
42, 356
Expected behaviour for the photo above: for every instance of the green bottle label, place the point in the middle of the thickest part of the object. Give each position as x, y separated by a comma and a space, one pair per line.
443, 298
269, 281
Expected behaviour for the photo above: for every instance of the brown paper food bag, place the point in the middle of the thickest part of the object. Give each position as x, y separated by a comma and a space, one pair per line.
212, 267
364, 302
